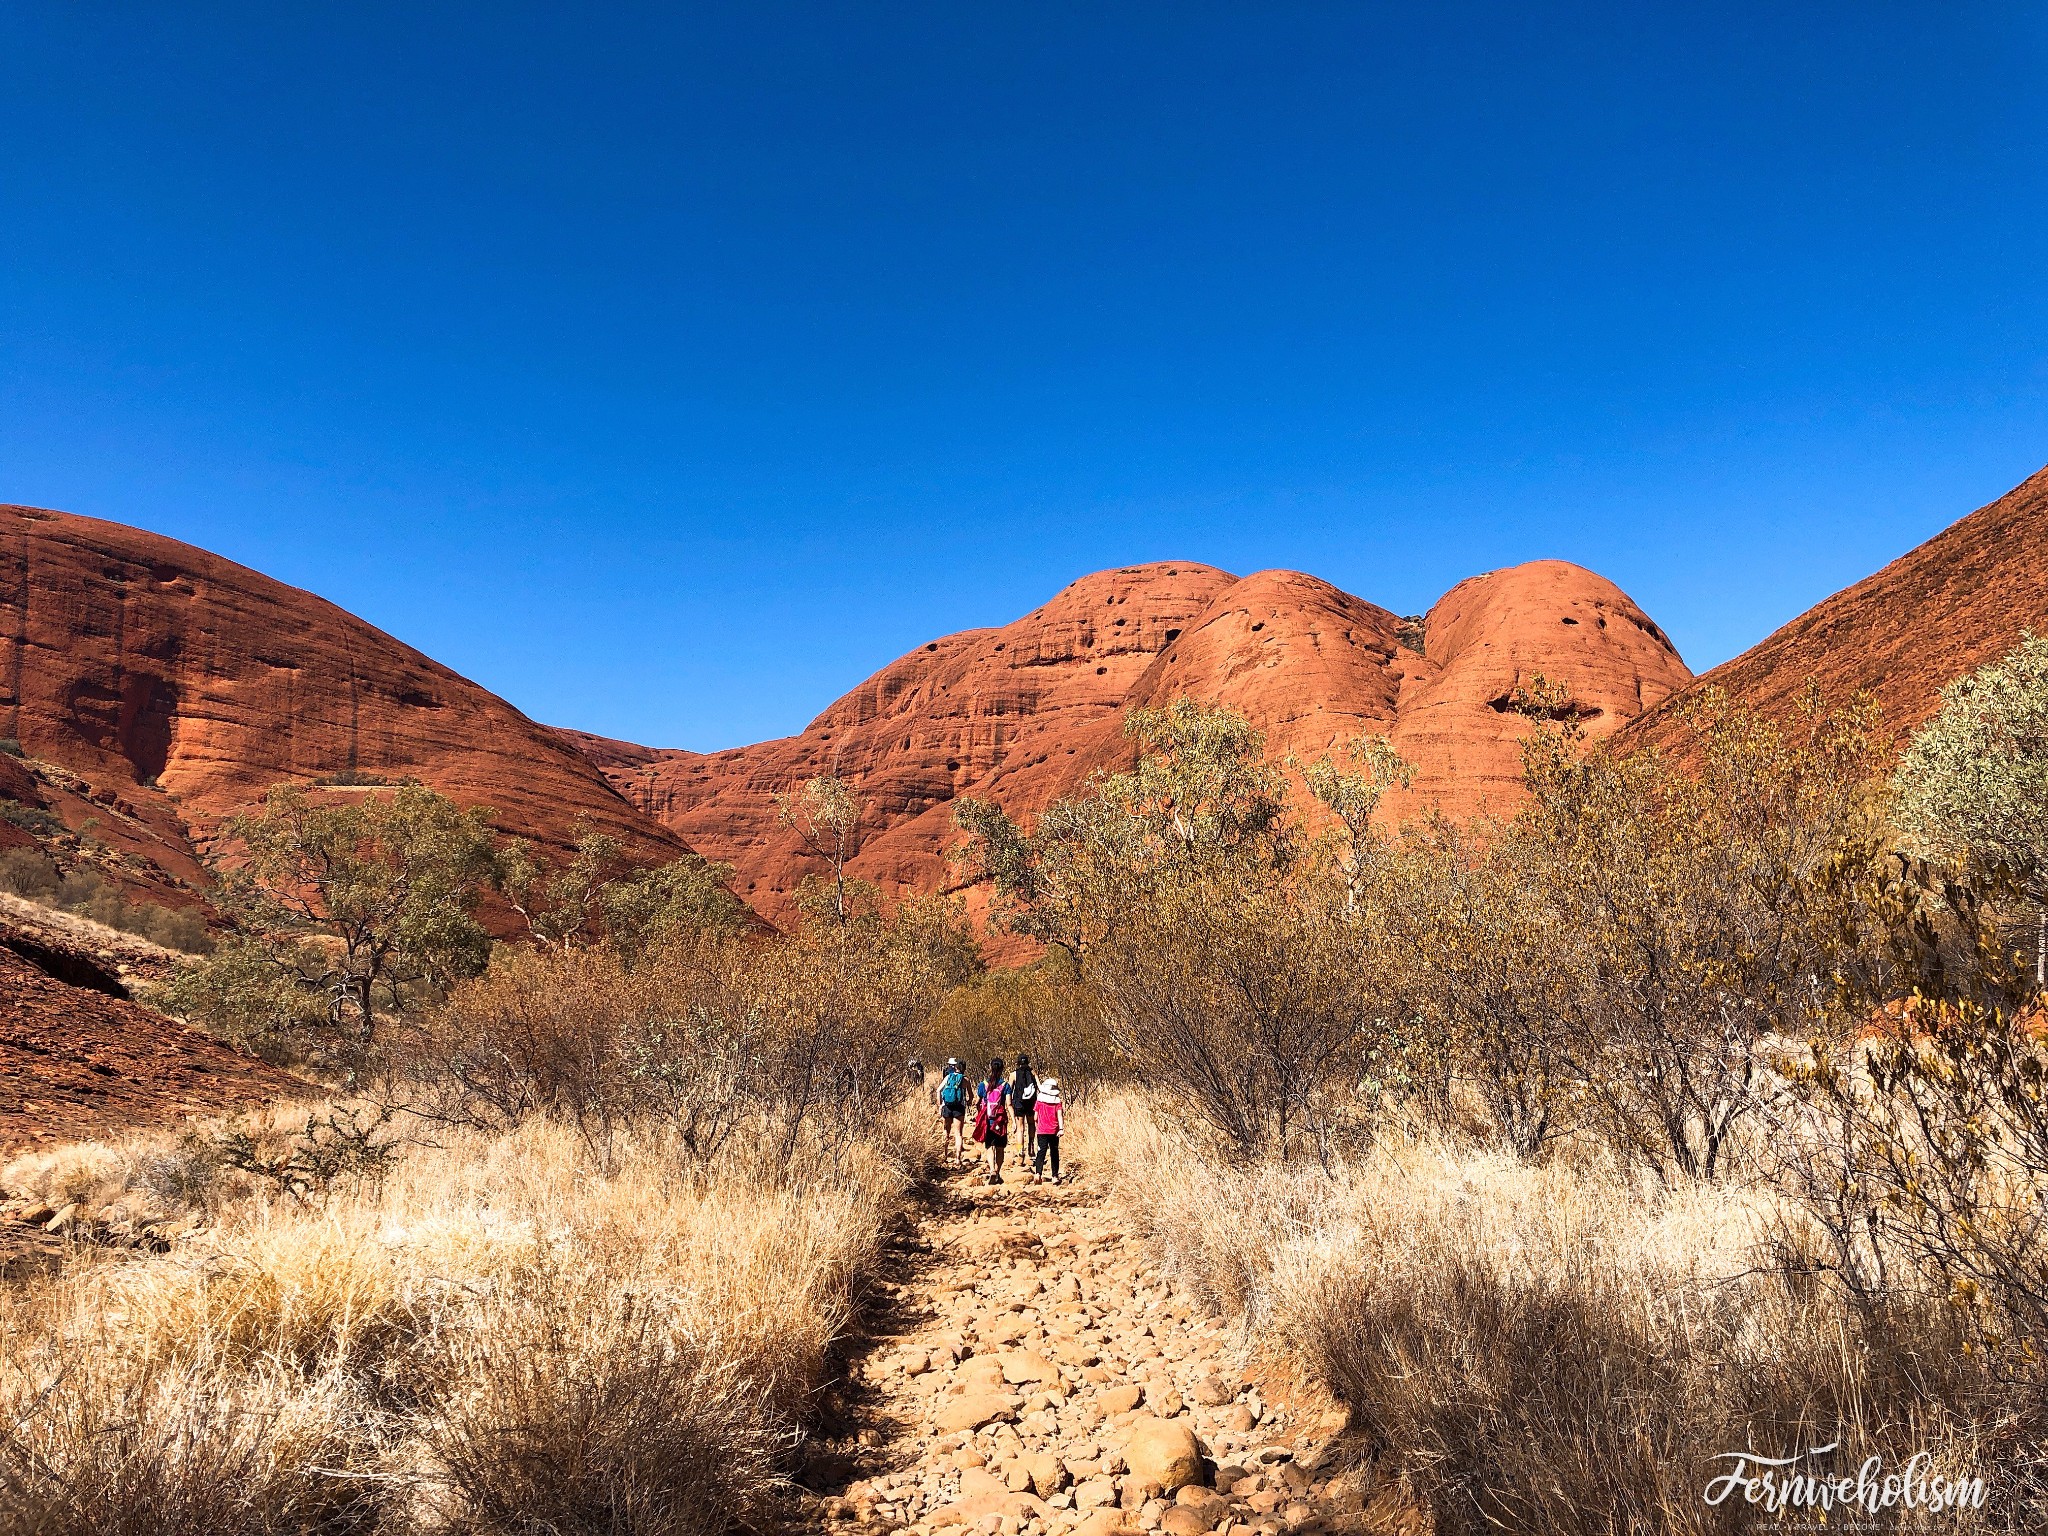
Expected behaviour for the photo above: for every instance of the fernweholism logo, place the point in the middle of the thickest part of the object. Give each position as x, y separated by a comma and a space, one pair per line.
1786, 1483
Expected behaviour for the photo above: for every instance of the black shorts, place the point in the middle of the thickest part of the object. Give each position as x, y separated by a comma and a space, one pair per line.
952, 1112
993, 1140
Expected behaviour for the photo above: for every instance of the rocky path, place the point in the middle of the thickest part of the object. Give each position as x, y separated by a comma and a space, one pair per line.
1036, 1378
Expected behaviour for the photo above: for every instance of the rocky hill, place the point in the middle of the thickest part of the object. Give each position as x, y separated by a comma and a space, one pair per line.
1023, 714
1937, 612
79, 1057
151, 689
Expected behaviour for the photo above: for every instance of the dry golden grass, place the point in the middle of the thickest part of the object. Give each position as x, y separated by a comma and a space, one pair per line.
498, 1337
1561, 1347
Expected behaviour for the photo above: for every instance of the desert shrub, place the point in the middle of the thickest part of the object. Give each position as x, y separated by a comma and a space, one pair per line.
1039, 1010
26, 872
184, 1175
579, 1036
346, 1144
597, 895
1247, 1001
1920, 1161
1487, 984
496, 1336
1565, 1347
700, 1033
1228, 965
11, 747
260, 997
365, 907
581, 1409
354, 778
83, 1171
30, 818
1620, 1356
168, 1452
1972, 787
1704, 906
177, 928
88, 893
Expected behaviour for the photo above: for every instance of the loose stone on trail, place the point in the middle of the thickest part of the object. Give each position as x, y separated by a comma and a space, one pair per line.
1043, 1380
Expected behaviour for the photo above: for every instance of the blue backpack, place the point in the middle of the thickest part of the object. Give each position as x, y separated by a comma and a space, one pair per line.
953, 1091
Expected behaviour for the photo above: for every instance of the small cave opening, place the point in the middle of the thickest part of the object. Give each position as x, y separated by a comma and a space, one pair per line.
59, 965
1516, 702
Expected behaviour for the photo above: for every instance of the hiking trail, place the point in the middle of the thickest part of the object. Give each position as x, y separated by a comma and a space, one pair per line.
1029, 1374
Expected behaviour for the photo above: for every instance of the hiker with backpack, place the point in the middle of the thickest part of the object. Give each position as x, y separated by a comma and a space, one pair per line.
992, 1117
1024, 1094
952, 1096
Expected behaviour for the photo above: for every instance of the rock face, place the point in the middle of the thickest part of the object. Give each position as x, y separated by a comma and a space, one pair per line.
1023, 714
159, 688
1934, 614
77, 1059
1028, 706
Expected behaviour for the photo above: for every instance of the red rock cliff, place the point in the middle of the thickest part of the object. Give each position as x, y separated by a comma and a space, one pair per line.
1934, 614
170, 688
1023, 714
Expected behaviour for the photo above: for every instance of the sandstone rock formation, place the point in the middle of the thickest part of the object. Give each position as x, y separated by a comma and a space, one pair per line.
1023, 714
155, 688
1030, 704
1937, 612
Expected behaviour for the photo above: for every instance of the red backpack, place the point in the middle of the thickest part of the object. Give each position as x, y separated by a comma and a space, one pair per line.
999, 1110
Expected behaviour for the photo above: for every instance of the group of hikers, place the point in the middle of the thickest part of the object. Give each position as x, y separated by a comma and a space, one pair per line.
991, 1109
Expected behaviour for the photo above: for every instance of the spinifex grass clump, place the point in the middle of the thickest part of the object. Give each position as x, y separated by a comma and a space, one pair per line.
1567, 1347
499, 1336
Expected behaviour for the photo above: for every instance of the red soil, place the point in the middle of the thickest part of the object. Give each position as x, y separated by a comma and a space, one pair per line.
76, 1063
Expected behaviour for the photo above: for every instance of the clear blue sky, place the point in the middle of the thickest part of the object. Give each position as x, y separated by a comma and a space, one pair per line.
668, 369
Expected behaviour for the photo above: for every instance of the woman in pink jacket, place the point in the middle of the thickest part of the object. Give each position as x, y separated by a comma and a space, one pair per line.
1052, 1119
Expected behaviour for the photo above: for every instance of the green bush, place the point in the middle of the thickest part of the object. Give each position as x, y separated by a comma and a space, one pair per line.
28, 872
29, 819
25, 872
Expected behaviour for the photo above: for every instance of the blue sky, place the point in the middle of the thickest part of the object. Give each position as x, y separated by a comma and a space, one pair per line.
668, 369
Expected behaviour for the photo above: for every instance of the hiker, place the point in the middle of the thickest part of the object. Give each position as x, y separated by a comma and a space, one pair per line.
1024, 1094
952, 1097
992, 1117
1051, 1118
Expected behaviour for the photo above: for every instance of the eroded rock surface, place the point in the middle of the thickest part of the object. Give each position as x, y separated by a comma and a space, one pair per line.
78, 1062
1934, 614
155, 688
1025, 713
